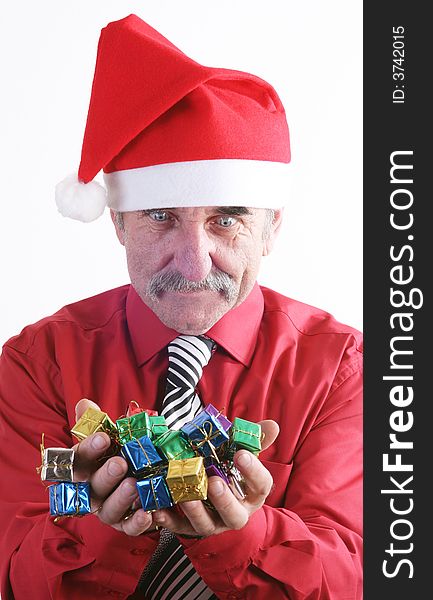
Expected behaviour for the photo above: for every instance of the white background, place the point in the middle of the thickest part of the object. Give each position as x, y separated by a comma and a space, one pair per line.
310, 51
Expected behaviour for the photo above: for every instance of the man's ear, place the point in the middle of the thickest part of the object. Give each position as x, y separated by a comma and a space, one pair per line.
273, 231
117, 219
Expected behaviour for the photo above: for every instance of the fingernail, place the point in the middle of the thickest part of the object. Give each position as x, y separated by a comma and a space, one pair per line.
159, 519
114, 469
99, 442
244, 460
143, 519
217, 487
129, 488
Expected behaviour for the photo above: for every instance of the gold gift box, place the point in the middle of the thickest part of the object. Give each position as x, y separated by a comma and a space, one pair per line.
91, 421
187, 479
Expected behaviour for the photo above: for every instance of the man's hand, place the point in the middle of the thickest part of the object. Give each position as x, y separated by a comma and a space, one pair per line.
111, 497
230, 513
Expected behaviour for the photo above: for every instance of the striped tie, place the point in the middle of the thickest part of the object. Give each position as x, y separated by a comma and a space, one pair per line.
169, 575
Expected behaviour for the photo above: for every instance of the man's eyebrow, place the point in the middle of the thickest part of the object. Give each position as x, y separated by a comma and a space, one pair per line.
147, 211
223, 210
233, 210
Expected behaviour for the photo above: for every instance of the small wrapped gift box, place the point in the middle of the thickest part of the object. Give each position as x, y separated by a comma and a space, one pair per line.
222, 419
187, 479
158, 426
133, 427
214, 467
245, 434
172, 445
71, 499
236, 481
205, 433
142, 456
92, 421
154, 493
57, 464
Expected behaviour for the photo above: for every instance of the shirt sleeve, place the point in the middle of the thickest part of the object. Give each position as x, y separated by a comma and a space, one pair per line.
73, 558
310, 544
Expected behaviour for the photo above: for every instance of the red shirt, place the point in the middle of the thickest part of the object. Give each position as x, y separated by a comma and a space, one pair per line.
276, 359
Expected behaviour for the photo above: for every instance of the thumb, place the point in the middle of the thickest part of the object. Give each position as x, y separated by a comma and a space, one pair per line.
82, 405
270, 431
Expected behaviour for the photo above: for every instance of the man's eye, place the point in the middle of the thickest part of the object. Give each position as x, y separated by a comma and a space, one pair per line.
226, 221
158, 215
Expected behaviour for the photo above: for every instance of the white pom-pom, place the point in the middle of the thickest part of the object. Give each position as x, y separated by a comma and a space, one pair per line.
82, 201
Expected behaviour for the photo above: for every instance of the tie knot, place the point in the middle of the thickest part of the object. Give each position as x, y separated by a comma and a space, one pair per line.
192, 349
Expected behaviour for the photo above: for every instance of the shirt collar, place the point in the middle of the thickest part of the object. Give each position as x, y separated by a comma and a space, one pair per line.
236, 331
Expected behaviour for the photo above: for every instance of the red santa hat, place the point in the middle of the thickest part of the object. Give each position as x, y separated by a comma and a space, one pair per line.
170, 132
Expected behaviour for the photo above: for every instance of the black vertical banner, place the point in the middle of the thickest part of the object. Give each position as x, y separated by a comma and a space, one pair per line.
398, 246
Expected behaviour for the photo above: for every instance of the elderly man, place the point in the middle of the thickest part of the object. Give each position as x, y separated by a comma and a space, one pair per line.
195, 160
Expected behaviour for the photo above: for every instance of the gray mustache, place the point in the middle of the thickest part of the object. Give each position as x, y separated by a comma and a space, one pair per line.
173, 281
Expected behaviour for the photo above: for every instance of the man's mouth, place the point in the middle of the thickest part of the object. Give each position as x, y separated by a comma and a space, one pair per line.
173, 281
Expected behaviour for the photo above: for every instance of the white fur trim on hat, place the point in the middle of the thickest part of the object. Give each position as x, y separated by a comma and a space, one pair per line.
218, 182
82, 201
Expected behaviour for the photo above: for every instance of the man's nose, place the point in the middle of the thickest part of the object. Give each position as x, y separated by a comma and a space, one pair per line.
192, 255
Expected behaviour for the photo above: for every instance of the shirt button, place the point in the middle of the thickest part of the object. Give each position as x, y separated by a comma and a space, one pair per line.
207, 555
232, 596
138, 551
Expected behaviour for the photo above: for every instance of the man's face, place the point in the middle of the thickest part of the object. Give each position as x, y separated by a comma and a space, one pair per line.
192, 265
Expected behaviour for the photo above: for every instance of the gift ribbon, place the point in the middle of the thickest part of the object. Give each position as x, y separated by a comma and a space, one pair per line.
133, 430
65, 464
155, 497
260, 436
170, 431
208, 436
130, 411
77, 504
187, 489
41, 446
149, 462
250, 433
102, 422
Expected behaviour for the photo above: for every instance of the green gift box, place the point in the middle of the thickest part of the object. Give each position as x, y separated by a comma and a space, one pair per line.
173, 446
134, 427
158, 426
245, 434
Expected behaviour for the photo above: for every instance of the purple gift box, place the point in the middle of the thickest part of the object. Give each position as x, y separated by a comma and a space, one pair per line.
213, 469
222, 419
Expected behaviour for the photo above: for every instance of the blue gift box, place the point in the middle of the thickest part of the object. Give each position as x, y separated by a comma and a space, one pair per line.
67, 498
141, 456
205, 433
154, 493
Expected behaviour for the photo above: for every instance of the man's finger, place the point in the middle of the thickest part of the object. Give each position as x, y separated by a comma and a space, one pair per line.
174, 520
270, 431
116, 505
82, 405
233, 514
87, 454
200, 518
108, 476
258, 480
140, 522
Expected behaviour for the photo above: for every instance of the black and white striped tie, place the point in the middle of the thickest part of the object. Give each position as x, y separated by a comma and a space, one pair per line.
169, 575
187, 356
